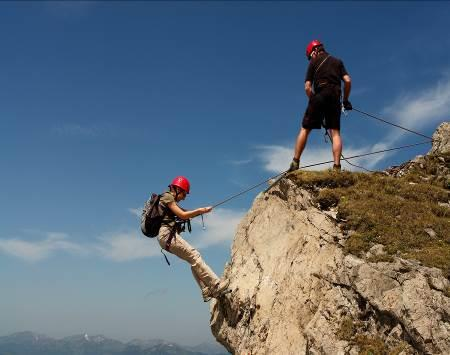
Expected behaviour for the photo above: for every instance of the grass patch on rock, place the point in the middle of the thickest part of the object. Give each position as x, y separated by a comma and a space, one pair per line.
409, 215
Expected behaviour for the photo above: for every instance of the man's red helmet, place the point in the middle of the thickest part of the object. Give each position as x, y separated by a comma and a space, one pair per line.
182, 183
310, 47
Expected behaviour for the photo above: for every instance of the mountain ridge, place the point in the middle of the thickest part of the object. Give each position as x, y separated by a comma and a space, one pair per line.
31, 343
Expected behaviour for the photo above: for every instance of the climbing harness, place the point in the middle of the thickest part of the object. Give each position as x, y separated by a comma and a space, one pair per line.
179, 227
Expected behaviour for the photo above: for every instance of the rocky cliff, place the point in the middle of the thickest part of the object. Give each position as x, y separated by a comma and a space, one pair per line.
311, 275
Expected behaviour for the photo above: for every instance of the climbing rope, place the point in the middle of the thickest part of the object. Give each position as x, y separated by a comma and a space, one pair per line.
317, 164
430, 140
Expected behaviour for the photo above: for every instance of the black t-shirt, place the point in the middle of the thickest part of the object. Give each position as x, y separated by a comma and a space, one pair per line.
325, 70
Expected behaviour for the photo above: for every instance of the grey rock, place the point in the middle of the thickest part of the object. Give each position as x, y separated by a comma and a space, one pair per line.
441, 139
294, 289
430, 232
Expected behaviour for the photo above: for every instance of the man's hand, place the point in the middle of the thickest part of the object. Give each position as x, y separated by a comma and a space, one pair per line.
347, 105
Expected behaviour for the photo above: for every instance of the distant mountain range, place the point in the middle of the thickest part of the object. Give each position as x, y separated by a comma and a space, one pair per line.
29, 343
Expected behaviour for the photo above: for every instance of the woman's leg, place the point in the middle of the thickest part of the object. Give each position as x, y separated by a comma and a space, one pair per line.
181, 248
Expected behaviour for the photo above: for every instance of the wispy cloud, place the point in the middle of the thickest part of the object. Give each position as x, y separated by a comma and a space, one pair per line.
38, 250
89, 130
126, 246
413, 110
360, 91
419, 110
276, 158
135, 211
240, 162
156, 292
220, 226
73, 129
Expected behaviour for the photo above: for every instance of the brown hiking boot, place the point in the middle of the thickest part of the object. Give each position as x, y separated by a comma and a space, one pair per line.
216, 291
205, 295
220, 288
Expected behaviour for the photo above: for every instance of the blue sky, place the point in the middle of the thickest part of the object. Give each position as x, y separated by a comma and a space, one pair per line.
104, 103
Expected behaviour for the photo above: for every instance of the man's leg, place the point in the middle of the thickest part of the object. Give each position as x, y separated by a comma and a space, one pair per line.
337, 145
300, 144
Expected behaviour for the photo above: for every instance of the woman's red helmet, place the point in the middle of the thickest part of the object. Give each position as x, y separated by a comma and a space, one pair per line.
182, 183
310, 47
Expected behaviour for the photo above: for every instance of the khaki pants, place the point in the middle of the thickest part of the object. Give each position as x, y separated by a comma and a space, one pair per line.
205, 277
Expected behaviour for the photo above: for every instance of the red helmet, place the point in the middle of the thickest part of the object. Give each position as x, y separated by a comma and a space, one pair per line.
310, 47
182, 183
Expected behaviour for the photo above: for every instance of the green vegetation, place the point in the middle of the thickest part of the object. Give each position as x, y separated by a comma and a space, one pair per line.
371, 345
367, 344
409, 215
347, 329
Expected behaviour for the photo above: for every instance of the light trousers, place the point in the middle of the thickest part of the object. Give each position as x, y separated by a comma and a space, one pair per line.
203, 275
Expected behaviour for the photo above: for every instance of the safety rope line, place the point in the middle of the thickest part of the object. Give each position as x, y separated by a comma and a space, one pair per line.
249, 189
316, 164
390, 123
357, 166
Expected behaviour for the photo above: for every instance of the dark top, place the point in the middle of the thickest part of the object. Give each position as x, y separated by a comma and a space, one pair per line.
325, 70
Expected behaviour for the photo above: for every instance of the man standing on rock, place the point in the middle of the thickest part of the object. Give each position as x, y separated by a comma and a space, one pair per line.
323, 88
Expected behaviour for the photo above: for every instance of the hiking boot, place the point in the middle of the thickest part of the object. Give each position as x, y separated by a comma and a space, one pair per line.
294, 165
206, 295
220, 289
336, 167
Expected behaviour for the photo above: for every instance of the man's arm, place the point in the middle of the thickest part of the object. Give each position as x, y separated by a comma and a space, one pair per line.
308, 88
347, 86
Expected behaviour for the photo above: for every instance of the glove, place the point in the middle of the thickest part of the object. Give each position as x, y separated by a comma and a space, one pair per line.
347, 105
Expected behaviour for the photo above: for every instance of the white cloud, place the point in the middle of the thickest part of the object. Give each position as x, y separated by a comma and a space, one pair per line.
276, 158
126, 246
135, 211
37, 250
73, 129
418, 110
220, 226
240, 162
414, 111
360, 91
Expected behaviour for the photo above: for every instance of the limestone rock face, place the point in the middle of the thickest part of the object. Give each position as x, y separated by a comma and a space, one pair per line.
441, 139
296, 292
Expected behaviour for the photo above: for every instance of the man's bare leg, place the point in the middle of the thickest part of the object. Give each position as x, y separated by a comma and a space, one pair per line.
300, 144
337, 145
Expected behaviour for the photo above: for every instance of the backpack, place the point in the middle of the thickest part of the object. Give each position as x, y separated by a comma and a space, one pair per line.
152, 216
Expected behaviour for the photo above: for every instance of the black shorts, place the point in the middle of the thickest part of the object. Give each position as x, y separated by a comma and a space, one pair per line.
324, 109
